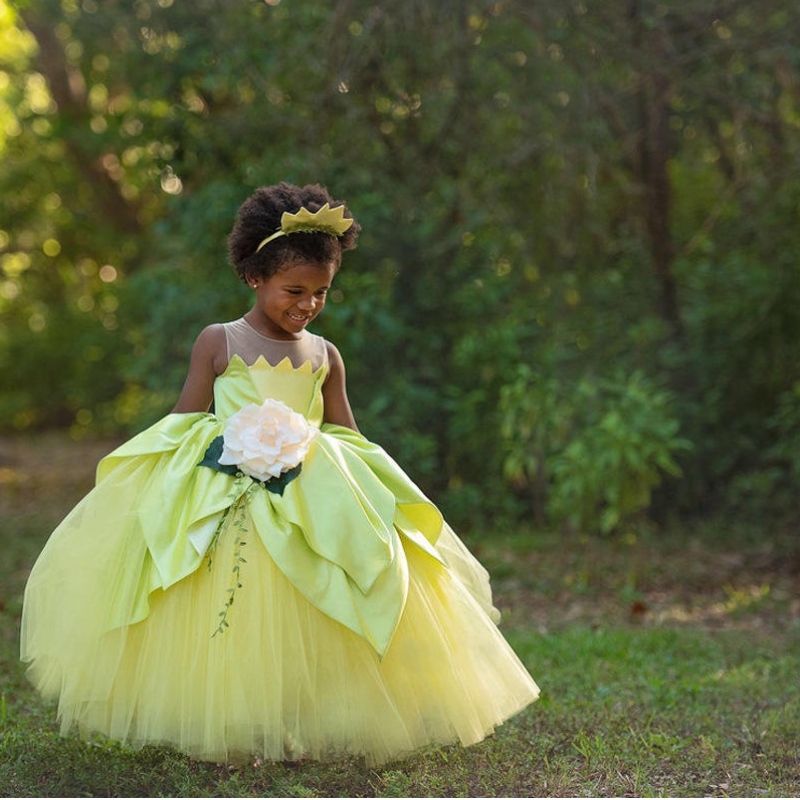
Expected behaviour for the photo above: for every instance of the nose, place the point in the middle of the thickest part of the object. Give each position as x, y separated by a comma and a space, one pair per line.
307, 303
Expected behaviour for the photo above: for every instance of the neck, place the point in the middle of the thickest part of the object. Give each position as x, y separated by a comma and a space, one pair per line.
259, 324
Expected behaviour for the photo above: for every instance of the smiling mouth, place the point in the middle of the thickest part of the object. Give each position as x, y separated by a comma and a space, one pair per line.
298, 317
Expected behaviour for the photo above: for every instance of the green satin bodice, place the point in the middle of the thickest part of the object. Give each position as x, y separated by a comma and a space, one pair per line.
300, 388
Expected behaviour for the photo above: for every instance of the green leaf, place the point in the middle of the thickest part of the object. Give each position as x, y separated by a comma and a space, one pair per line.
211, 458
277, 485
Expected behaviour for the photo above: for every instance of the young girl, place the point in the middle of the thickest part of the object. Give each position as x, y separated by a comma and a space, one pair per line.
262, 581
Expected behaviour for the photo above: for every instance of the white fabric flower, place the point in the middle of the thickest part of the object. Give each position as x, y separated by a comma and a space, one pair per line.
266, 440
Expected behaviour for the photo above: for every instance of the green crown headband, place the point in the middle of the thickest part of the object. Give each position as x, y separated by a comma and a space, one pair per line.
326, 220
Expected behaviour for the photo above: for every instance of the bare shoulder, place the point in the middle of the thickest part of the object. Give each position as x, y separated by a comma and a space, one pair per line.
211, 335
209, 359
211, 347
335, 359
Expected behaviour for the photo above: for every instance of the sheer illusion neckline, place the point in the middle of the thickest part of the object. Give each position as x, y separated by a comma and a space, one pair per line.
244, 340
300, 338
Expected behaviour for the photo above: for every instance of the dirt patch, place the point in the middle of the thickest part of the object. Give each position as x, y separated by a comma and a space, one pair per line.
48, 473
698, 583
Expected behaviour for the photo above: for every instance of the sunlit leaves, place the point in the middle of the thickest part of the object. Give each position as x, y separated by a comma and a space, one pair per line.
497, 156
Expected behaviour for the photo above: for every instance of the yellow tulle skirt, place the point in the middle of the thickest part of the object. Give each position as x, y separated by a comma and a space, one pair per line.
360, 624
283, 680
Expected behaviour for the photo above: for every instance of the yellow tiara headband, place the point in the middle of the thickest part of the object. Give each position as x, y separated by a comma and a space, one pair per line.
326, 220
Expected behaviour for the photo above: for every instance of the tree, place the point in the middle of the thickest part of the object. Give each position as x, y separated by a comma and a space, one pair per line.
589, 191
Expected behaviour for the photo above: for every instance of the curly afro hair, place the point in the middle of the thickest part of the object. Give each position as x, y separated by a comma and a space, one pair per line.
260, 216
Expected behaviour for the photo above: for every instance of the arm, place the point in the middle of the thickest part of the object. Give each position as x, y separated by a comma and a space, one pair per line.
334, 393
208, 360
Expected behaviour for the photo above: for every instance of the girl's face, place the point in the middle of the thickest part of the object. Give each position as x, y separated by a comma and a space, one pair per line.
291, 298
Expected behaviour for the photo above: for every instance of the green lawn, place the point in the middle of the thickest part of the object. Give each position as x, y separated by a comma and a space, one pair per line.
668, 665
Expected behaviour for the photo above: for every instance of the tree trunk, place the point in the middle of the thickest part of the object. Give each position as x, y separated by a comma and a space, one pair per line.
654, 106
68, 89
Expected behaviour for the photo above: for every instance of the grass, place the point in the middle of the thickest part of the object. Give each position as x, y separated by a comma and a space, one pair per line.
668, 665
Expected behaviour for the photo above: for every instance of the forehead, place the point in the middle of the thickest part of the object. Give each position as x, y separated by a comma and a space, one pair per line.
306, 273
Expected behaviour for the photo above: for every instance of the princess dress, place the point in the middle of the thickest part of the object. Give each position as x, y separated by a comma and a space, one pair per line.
181, 605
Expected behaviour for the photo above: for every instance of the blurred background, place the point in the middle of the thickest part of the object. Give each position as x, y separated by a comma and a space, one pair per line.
576, 297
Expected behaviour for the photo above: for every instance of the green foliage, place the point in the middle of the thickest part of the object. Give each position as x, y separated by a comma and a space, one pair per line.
769, 485
591, 452
73, 351
786, 424
570, 189
739, 367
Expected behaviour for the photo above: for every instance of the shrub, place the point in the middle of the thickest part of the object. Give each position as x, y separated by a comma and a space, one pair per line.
589, 454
